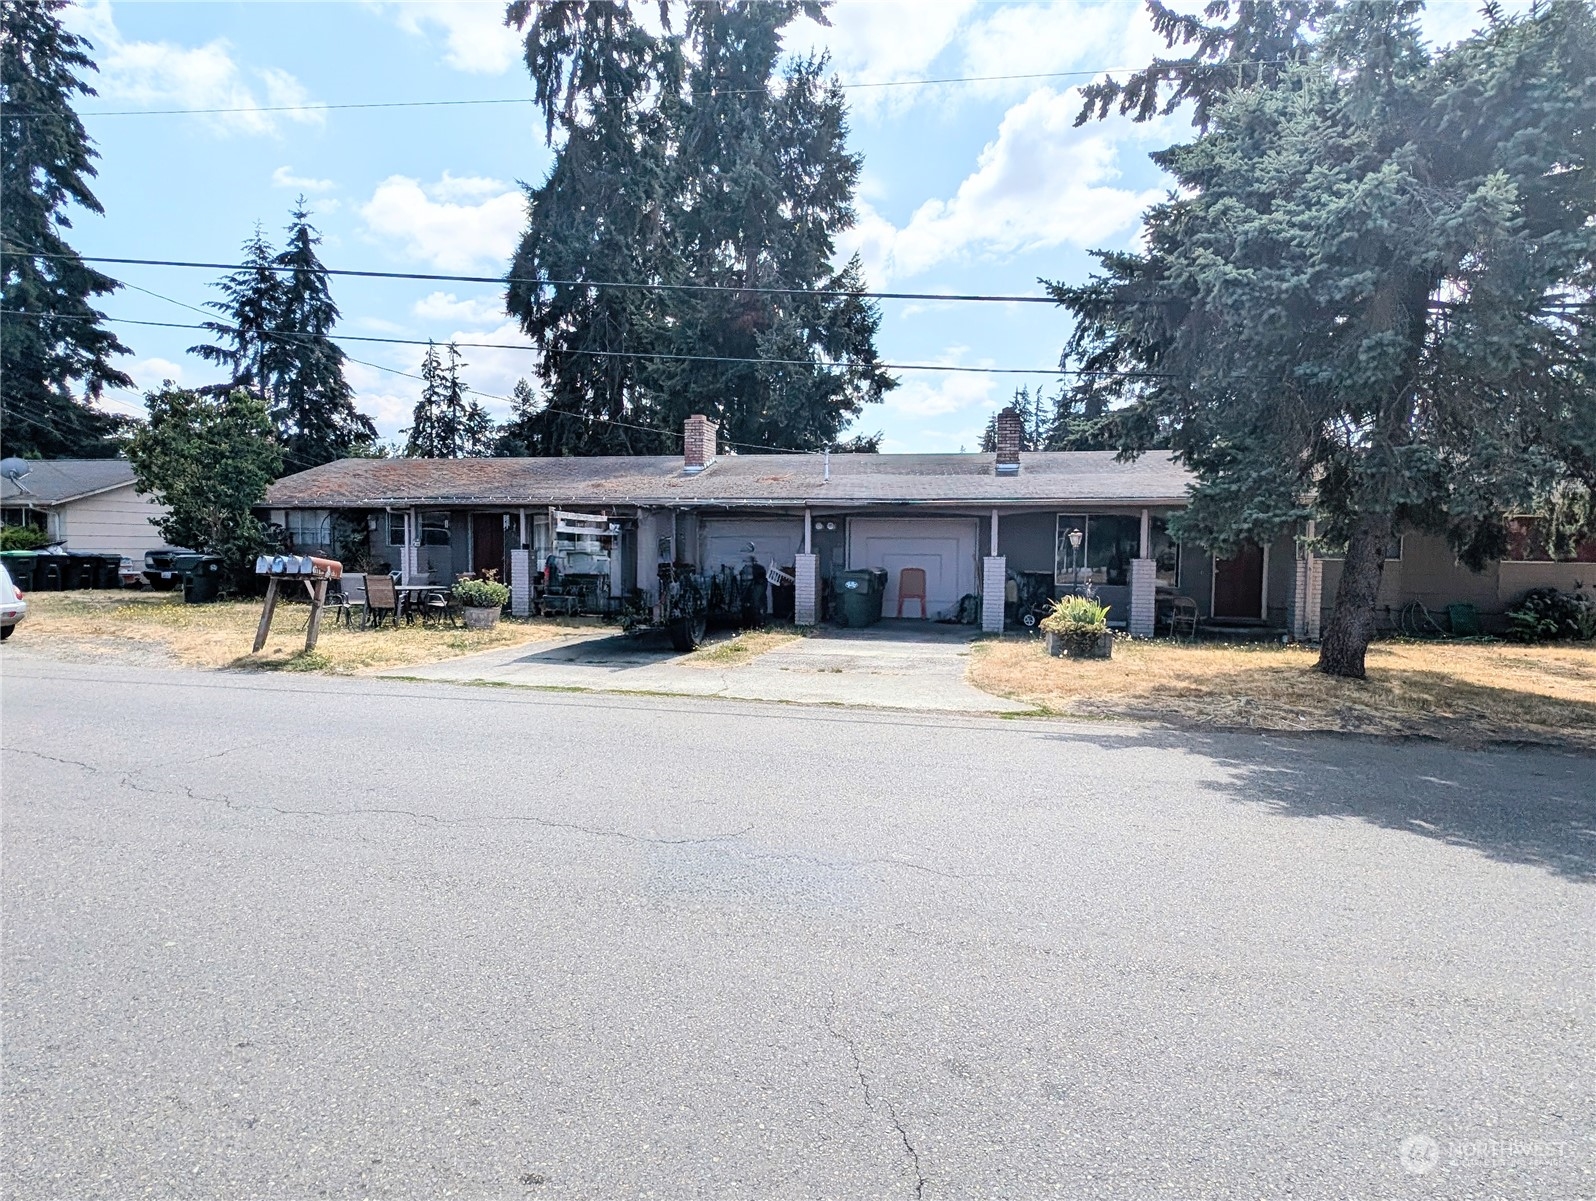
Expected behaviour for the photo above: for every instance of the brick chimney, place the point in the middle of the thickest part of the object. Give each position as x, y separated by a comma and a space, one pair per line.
1009, 426
698, 443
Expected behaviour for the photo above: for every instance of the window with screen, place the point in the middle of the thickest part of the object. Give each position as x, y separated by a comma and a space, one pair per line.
1102, 551
308, 529
396, 529
434, 529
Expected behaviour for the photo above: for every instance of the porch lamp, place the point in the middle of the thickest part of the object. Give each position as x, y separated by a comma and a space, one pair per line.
1075, 537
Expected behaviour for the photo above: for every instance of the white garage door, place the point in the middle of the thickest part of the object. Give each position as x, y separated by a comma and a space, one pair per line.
943, 547
730, 542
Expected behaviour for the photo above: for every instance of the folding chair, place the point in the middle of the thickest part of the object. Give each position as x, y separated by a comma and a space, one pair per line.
382, 600
351, 595
911, 586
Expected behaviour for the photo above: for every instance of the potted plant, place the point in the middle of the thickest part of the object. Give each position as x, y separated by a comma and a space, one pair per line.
481, 600
1078, 628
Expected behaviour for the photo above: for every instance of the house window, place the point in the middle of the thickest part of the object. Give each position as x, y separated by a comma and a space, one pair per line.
308, 529
396, 529
434, 529
1103, 552
1528, 542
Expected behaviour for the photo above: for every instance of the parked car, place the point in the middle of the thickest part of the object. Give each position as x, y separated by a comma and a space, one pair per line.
13, 608
164, 568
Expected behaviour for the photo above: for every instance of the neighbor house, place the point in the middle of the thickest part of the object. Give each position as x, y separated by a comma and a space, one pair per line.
975, 523
89, 504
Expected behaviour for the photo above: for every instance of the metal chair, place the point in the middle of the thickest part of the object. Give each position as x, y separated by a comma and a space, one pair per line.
1183, 617
439, 607
911, 586
350, 595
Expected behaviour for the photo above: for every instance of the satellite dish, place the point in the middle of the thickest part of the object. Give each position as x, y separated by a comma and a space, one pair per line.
14, 468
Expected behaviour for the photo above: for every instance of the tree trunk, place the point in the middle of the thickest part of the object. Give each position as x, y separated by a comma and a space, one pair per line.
1351, 627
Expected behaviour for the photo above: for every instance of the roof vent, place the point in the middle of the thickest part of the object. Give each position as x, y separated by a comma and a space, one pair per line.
1009, 427
699, 435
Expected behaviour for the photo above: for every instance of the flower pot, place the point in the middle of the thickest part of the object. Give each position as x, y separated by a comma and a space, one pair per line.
478, 618
1073, 647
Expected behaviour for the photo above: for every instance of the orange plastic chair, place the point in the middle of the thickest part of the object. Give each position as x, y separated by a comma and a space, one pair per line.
911, 586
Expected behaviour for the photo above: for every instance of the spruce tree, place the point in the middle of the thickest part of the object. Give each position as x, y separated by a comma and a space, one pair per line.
422, 440
1371, 302
520, 436
253, 304
445, 423
51, 337
312, 404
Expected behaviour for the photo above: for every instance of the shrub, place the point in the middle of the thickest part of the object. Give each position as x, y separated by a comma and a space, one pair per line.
23, 537
1076, 615
1549, 615
481, 594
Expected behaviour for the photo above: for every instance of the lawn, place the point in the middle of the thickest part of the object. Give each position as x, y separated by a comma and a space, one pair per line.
1471, 692
158, 628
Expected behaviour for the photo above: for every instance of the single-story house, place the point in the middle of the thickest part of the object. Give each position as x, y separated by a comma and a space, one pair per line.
970, 521
90, 504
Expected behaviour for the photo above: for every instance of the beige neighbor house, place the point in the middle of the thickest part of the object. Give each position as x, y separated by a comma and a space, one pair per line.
90, 504
977, 525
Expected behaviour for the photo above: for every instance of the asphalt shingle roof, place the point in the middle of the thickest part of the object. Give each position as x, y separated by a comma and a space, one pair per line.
737, 480
52, 481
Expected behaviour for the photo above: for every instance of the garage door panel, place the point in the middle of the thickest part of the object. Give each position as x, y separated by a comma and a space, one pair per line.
727, 543
943, 548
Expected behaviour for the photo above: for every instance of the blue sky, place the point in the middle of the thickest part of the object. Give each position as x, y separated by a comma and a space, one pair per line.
967, 187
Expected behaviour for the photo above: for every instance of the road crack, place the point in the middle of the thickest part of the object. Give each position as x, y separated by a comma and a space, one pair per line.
871, 1096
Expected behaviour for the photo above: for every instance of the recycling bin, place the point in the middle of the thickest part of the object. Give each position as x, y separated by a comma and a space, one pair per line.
202, 579
20, 564
860, 595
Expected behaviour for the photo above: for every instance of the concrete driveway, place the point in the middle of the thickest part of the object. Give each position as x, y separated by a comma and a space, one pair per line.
894, 665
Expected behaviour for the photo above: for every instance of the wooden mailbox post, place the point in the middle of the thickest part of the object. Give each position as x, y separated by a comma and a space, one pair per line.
315, 574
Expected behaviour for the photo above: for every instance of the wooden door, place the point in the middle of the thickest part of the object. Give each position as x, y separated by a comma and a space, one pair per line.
487, 543
1238, 584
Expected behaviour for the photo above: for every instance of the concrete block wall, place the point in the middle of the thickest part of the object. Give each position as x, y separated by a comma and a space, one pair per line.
806, 590
994, 582
1143, 597
521, 583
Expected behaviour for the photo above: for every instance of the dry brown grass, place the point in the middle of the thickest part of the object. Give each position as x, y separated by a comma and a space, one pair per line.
158, 628
1467, 692
742, 647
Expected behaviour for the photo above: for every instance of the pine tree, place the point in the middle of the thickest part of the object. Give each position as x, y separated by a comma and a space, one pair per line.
1371, 302
519, 437
697, 162
445, 424
312, 404
254, 298
51, 337
422, 442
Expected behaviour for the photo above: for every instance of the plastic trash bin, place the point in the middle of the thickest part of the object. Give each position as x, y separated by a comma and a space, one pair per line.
202, 580
49, 573
860, 595
20, 564
108, 571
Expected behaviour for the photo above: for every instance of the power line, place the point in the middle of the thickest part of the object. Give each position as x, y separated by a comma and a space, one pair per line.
639, 354
426, 277
860, 85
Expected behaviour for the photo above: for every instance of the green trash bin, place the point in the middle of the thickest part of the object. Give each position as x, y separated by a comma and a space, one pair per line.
202, 580
20, 564
860, 595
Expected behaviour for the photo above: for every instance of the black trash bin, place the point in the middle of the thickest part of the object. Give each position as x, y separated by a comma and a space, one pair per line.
20, 564
49, 573
108, 571
202, 580
860, 595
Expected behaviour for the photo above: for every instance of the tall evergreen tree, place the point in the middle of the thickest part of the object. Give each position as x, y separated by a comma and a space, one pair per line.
520, 436
446, 424
253, 304
51, 336
691, 160
1372, 301
422, 436
312, 404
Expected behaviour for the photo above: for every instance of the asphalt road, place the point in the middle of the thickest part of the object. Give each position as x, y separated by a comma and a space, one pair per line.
298, 938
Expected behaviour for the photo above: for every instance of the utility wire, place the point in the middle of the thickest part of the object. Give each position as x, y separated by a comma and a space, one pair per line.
711, 93
852, 294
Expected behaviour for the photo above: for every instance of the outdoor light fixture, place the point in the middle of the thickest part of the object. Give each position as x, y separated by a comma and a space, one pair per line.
831, 525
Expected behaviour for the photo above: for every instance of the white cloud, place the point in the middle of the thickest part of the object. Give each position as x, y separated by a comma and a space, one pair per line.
424, 224
474, 32
151, 373
284, 177
883, 42
166, 75
1039, 183
474, 310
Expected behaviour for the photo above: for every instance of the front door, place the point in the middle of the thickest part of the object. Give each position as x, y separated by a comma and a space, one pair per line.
1238, 584
487, 543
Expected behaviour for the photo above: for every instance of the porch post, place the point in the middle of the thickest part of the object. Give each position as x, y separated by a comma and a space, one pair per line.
994, 584
806, 584
1144, 597
407, 561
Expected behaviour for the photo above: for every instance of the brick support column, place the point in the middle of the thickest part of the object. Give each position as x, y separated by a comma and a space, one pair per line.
1144, 597
521, 583
1315, 596
806, 590
994, 587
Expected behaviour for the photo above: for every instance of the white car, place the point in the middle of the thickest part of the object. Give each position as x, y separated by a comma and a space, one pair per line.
12, 607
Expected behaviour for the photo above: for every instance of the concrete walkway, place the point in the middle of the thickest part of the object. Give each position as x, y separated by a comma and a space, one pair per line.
894, 665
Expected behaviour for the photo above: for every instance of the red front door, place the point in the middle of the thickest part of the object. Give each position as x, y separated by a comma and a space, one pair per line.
487, 543
1238, 584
